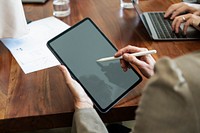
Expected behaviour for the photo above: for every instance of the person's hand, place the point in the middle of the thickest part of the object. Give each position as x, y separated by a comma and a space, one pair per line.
144, 63
187, 19
81, 99
180, 8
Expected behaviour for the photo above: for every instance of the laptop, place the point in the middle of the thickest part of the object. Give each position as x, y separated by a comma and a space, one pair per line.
34, 1
159, 28
191, 1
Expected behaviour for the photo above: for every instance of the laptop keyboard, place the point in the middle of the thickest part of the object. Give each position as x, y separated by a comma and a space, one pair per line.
163, 26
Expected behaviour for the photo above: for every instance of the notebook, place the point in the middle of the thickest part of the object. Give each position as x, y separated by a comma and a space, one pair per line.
159, 28
78, 48
34, 1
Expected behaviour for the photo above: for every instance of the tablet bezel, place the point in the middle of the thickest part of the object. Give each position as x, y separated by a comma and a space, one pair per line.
74, 76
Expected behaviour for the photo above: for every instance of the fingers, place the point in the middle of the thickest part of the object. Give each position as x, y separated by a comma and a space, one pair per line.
177, 22
180, 8
128, 59
124, 65
178, 12
81, 100
68, 79
132, 60
188, 19
145, 63
129, 49
170, 10
125, 61
187, 24
168, 13
65, 73
175, 9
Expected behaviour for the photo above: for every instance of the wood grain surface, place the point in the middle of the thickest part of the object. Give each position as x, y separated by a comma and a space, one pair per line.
41, 99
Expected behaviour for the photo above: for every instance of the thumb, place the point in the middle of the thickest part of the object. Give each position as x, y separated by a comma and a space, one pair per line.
66, 73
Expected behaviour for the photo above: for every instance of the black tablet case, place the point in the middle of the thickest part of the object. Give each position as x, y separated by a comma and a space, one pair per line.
78, 48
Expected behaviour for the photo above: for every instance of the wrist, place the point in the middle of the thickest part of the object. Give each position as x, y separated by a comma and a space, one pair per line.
194, 7
83, 105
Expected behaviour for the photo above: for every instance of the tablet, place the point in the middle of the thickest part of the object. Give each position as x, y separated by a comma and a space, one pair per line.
78, 48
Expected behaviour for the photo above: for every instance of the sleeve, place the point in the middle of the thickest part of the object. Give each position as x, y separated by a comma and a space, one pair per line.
87, 121
166, 105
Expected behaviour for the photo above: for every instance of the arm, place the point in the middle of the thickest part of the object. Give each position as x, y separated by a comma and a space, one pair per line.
144, 63
167, 103
85, 119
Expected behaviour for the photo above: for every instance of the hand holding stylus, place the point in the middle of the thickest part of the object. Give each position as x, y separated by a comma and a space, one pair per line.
144, 61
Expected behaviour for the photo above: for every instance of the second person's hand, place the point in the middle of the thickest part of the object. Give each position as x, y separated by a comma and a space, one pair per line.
187, 19
179, 8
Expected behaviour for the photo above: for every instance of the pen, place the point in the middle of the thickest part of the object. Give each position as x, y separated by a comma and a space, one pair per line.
133, 54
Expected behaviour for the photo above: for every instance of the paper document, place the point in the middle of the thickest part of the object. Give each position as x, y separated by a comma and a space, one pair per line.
30, 51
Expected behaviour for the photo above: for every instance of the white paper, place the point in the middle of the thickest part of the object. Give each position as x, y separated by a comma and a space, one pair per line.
13, 22
31, 51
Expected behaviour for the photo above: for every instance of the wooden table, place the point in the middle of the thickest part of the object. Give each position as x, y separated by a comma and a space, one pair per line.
41, 99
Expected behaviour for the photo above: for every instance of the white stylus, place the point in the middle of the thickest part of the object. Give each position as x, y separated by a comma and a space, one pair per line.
120, 57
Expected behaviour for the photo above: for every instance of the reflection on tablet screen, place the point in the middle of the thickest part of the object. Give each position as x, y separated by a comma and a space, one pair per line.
78, 48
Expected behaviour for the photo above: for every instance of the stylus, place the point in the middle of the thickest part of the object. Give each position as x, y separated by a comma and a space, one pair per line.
120, 57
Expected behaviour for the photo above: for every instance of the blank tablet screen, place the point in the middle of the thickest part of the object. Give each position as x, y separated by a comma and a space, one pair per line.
78, 48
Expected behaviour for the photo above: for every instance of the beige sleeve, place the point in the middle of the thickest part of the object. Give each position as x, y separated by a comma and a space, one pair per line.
166, 105
87, 121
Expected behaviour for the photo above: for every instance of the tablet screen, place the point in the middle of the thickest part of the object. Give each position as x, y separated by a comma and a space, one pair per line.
78, 48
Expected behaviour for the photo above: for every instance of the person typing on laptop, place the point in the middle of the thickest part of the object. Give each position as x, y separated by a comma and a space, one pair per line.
160, 28
169, 100
184, 13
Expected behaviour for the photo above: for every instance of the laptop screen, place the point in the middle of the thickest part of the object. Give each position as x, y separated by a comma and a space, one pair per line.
140, 14
137, 8
34, 1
